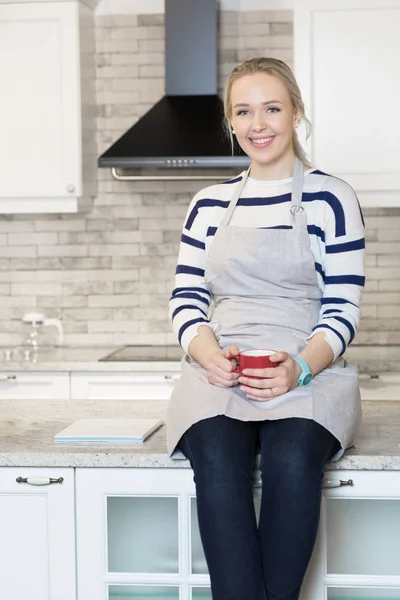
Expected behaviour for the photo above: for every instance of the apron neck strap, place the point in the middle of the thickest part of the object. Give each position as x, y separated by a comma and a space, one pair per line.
297, 191
297, 185
235, 198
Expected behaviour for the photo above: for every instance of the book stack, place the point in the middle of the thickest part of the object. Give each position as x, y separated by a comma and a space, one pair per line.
113, 432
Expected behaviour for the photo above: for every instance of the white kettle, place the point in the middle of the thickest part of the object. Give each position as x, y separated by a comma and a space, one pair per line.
37, 320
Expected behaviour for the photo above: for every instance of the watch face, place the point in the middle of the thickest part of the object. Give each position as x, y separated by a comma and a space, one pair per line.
307, 379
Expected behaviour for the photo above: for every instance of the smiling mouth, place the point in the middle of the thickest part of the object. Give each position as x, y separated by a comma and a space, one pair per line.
261, 142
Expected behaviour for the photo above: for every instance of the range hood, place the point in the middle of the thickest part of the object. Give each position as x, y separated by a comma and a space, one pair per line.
184, 129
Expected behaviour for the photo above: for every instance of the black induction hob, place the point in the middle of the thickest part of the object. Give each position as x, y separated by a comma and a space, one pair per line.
145, 353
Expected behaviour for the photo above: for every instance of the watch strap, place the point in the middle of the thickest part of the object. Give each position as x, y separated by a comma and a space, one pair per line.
306, 372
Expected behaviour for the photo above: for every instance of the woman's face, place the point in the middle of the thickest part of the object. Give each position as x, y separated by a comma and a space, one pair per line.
263, 119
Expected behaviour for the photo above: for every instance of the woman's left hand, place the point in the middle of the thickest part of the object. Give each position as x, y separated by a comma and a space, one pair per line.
273, 381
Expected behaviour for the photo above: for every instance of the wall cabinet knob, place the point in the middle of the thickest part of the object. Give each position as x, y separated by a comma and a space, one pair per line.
70, 188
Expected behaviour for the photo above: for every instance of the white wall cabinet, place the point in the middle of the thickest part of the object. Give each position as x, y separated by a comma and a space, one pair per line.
346, 61
47, 106
17, 385
37, 540
123, 386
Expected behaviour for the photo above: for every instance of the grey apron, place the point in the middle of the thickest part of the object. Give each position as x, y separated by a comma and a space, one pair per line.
266, 295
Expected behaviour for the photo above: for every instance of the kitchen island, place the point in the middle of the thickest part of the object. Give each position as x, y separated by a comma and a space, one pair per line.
121, 522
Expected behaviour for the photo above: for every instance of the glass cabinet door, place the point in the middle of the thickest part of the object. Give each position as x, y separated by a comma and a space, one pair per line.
142, 534
143, 592
363, 537
201, 593
357, 593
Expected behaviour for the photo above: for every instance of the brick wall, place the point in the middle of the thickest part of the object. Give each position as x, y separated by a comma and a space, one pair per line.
108, 273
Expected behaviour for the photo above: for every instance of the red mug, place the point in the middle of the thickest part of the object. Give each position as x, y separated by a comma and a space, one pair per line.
253, 359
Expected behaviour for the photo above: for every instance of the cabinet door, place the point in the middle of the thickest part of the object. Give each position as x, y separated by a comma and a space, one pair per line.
15, 385
40, 100
122, 386
360, 548
37, 541
346, 52
132, 533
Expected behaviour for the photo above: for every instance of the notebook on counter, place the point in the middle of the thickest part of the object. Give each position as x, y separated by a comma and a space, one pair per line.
108, 431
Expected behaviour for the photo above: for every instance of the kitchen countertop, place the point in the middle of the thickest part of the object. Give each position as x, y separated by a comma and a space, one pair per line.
369, 359
79, 358
27, 429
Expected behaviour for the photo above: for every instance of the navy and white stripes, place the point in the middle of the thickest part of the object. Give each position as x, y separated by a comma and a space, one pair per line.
336, 234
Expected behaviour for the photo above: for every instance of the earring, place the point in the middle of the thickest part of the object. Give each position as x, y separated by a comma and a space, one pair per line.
233, 132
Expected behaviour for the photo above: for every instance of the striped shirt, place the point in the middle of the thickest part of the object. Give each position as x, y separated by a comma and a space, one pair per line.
336, 231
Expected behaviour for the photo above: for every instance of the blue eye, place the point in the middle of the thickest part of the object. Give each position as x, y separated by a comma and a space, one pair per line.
241, 112
273, 109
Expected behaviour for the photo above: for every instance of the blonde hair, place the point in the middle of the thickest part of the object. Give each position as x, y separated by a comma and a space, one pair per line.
279, 69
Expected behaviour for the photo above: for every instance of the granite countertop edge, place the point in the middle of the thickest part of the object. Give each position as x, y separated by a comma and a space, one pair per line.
150, 461
92, 367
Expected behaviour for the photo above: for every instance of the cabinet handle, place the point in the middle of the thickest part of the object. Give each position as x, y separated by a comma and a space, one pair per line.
171, 378
8, 377
335, 483
39, 480
70, 188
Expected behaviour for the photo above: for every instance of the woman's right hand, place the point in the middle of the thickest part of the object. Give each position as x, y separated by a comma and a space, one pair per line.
220, 369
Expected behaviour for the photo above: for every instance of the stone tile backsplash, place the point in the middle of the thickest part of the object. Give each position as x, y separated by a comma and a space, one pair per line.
108, 273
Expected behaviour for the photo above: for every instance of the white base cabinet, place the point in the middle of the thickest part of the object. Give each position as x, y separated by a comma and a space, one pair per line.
29, 385
37, 535
133, 534
137, 537
358, 551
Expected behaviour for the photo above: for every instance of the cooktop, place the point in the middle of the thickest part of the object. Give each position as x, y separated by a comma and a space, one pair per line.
144, 353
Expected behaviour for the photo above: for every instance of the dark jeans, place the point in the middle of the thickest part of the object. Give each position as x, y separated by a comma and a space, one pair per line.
247, 562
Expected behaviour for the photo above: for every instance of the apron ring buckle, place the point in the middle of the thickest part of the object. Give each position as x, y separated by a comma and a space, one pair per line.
296, 209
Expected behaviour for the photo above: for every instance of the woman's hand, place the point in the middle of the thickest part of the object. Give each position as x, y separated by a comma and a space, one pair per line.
220, 369
274, 381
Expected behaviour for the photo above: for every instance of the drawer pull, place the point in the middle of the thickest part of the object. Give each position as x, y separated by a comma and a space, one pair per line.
8, 377
171, 378
335, 483
39, 480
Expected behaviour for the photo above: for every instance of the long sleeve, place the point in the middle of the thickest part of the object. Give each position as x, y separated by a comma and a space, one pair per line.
190, 300
343, 269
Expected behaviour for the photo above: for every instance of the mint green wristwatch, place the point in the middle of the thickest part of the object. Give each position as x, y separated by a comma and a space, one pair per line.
306, 376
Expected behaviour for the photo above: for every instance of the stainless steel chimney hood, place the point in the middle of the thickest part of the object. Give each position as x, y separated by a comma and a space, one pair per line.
184, 129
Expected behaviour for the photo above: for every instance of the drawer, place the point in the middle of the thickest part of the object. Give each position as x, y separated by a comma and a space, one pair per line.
16, 385
123, 386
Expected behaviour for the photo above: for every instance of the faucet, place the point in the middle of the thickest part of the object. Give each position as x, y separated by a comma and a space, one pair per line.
37, 320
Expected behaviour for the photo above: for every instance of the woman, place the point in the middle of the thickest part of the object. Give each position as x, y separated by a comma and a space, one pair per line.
279, 250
